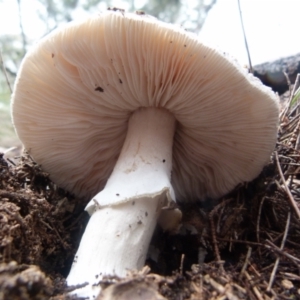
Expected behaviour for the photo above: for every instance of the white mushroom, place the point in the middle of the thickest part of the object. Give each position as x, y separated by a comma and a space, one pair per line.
112, 105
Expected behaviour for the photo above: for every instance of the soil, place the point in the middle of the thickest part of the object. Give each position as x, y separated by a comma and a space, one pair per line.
243, 246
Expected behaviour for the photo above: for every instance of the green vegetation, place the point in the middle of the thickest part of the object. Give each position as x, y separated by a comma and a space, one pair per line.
296, 97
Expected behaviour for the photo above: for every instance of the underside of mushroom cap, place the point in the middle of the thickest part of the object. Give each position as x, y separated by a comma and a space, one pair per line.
78, 87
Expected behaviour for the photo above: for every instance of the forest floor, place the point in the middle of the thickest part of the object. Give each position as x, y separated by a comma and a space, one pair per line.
245, 246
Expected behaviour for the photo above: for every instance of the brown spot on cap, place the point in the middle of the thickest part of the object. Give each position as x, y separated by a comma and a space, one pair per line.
99, 89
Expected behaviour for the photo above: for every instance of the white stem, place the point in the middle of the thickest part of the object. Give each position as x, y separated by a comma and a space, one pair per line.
124, 214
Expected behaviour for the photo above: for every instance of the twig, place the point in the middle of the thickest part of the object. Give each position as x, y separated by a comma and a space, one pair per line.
236, 241
239, 288
75, 287
213, 232
263, 281
295, 89
254, 288
181, 264
277, 249
16, 216
288, 81
295, 134
288, 104
245, 38
145, 271
15, 196
4, 71
46, 224
246, 262
289, 124
291, 276
258, 218
220, 288
24, 42
71, 226
281, 247
287, 190
61, 240
197, 289
201, 256
215, 243
56, 231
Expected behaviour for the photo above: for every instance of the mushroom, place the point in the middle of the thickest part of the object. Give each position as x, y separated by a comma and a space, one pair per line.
132, 114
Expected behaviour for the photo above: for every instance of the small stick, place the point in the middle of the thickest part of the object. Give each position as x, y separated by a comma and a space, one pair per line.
46, 224
287, 106
71, 226
277, 249
255, 289
295, 88
16, 216
214, 239
241, 289
201, 256
286, 75
220, 288
255, 271
264, 282
290, 122
75, 287
181, 264
287, 190
145, 271
291, 276
245, 38
213, 232
246, 262
295, 134
281, 247
4, 71
61, 240
258, 218
236, 241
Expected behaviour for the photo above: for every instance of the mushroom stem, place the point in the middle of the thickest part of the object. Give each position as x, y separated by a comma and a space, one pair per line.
124, 214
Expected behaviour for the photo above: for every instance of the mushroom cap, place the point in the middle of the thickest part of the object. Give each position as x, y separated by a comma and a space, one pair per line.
78, 87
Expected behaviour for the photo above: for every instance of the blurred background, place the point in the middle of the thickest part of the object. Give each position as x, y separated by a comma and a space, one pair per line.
271, 27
